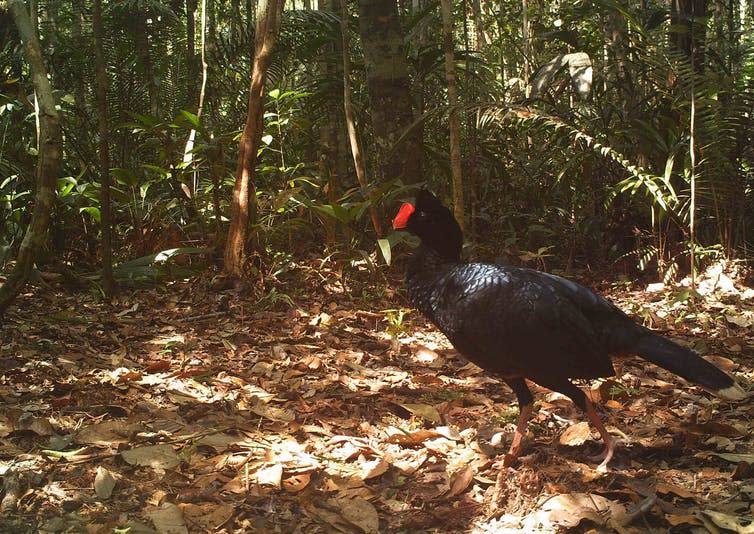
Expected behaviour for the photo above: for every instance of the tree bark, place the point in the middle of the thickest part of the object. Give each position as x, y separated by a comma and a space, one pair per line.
358, 160
690, 34
243, 207
49, 162
389, 91
454, 121
331, 130
108, 283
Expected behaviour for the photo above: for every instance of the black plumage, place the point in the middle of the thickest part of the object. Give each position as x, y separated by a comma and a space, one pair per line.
525, 324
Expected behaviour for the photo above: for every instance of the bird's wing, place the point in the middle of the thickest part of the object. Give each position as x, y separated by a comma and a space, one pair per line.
521, 320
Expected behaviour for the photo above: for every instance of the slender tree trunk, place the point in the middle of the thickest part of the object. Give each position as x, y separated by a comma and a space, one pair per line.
358, 160
188, 155
108, 284
525, 34
419, 80
49, 162
191, 65
243, 207
389, 91
479, 45
454, 121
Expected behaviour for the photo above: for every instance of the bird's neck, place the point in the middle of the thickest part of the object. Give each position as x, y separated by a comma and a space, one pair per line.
427, 259
426, 270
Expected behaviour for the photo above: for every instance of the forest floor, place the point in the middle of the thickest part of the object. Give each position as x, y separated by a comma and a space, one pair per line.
193, 408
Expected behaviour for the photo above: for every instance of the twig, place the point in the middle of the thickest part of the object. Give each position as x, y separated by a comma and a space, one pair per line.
201, 317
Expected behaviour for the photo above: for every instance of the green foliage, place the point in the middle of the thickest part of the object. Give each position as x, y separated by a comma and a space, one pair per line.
553, 175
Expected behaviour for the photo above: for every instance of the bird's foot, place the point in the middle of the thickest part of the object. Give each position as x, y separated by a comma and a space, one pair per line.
605, 456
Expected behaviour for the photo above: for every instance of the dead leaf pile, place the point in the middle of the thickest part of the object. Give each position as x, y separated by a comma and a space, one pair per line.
186, 410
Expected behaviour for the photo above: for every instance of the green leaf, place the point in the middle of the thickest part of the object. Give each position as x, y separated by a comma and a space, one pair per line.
193, 119
93, 212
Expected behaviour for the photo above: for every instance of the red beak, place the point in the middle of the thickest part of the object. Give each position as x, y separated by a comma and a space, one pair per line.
401, 220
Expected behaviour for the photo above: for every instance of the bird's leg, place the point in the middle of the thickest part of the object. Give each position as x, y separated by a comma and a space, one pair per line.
518, 435
607, 454
525, 406
579, 399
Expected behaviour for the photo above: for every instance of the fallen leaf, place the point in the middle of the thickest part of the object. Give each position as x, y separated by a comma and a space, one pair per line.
733, 457
729, 522
665, 488
160, 456
683, 519
568, 510
273, 413
576, 435
373, 468
359, 512
270, 476
297, 483
207, 516
167, 519
460, 480
104, 483
425, 411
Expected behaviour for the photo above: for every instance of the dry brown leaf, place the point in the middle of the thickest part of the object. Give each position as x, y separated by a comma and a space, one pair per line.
296, 483
425, 411
207, 517
373, 468
160, 456
665, 488
107, 433
273, 413
270, 476
730, 522
359, 513
576, 435
568, 510
683, 519
167, 519
460, 480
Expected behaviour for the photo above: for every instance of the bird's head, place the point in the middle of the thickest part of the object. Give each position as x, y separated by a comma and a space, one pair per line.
431, 222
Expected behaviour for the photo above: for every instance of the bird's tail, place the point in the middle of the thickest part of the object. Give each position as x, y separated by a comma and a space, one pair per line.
689, 365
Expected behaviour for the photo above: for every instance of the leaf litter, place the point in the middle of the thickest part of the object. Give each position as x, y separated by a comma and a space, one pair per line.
193, 409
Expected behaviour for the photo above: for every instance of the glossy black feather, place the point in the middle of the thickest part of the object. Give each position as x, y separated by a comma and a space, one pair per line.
522, 322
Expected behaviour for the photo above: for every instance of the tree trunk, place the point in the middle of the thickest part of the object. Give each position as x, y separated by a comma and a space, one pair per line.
454, 121
358, 160
389, 91
48, 165
243, 207
191, 65
690, 32
330, 130
108, 284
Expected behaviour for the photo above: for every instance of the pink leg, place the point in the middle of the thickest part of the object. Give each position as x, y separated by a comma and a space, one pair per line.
518, 436
607, 454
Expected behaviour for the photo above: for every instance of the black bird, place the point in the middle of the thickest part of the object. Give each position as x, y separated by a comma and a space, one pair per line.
526, 324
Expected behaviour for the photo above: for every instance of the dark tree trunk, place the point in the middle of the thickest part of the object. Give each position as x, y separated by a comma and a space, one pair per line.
389, 91
689, 30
